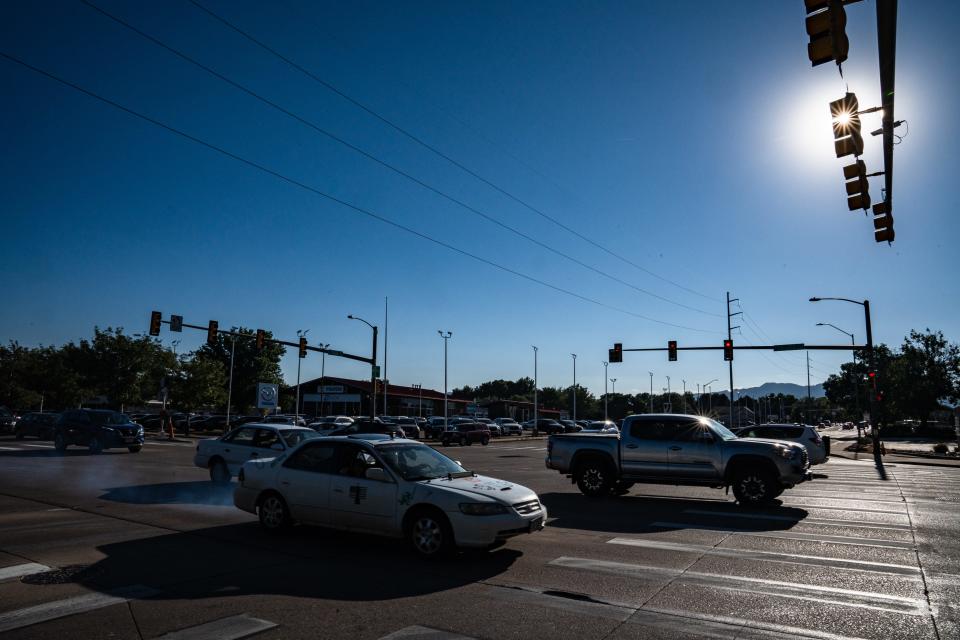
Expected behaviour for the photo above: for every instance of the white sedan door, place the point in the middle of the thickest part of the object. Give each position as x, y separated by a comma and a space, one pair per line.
304, 482
355, 501
238, 447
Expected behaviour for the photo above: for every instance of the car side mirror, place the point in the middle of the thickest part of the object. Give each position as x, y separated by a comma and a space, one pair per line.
277, 446
376, 473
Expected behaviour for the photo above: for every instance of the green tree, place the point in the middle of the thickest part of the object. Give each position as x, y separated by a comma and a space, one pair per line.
200, 383
925, 374
128, 370
250, 366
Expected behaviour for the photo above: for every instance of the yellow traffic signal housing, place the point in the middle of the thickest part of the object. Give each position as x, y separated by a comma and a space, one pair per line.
847, 138
303, 347
155, 318
212, 332
883, 223
261, 337
826, 26
858, 187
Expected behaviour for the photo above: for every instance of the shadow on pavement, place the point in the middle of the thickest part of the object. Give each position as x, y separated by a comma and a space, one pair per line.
196, 492
53, 453
307, 562
632, 514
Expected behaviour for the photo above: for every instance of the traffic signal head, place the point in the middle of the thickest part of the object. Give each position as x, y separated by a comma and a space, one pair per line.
261, 337
155, 323
882, 222
616, 354
826, 26
212, 332
858, 195
728, 350
176, 323
303, 347
847, 139
672, 350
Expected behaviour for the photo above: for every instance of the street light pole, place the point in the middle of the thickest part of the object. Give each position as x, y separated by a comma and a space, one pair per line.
684, 397
873, 423
709, 396
574, 356
669, 395
323, 367
373, 368
605, 418
419, 388
613, 381
536, 416
446, 336
651, 390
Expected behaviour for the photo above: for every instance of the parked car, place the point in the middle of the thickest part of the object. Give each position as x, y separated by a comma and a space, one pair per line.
97, 430
466, 433
36, 425
547, 425
395, 488
223, 456
494, 428
509, 427
601, 426
818, 447
679, 450
8, 420
409, 427
368, 426
569, 426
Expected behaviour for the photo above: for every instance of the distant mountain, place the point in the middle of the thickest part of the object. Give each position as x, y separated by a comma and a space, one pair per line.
786, 388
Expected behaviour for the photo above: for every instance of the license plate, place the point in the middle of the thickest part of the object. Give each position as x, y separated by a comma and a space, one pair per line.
130, 439
536, 525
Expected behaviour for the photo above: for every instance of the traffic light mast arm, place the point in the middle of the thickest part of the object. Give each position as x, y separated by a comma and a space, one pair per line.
768, 347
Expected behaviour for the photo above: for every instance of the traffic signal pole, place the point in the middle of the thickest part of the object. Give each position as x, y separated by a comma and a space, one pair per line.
871, 365
730, 362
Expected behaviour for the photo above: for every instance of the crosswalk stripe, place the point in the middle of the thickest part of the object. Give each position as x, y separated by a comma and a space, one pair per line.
797, 591
231, 628
28, 616
771, 556
817, 521
39, 446
20, 570
10, 449
416, 632
792, 535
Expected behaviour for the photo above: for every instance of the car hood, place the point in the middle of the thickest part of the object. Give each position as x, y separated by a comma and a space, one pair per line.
741, 442
490, 488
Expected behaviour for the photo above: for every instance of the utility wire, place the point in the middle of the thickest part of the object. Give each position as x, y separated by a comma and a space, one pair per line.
426, 145
366, 212
383, 163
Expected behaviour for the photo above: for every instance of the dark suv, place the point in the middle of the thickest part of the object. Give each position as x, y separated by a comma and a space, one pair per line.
97, 430
466, 433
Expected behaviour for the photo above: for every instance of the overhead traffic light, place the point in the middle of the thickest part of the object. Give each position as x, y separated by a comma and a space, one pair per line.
826, 26
176, 323
155, 323
882, 222
847, 138
261, 337
212, 332
616, 354
728, 350
672, 350
858, 188
303, 347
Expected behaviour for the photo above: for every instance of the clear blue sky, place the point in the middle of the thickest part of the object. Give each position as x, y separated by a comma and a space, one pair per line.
692, 138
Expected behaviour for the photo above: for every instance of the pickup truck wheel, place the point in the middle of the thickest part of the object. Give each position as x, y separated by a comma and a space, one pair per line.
135, 448
594, 478
95, 446
484, 440
754, 487
463, 441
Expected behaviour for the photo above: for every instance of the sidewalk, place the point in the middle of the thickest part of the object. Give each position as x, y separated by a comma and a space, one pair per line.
897, 458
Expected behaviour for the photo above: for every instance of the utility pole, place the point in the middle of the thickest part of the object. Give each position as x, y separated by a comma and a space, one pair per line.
574, 356
446, 336
730, 337
684, 396
233, 347
535, 413
386, 333
809, 399
605, 418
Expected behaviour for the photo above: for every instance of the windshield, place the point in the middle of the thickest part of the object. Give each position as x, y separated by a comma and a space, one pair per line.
720, 430
108, 417
419, 462
293, 437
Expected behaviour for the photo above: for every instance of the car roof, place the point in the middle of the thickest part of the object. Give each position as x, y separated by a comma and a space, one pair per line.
275, 425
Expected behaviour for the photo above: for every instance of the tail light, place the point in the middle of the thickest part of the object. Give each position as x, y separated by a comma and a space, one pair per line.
816, 439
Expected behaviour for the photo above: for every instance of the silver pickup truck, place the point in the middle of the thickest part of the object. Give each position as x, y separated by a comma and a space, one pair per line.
680, 450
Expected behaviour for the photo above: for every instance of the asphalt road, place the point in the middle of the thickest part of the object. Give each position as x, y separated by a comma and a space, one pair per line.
154, 550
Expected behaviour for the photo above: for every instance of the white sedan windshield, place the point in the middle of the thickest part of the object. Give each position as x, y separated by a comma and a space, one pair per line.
419, 462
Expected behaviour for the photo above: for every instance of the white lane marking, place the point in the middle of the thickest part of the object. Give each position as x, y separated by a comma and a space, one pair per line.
772, 556
58, 509
10, 449
39, 446
845, 509
822, 495
742, 584
815, 521
532, 595
19, 618
792, 535
232, 628
517, 448
169, 444
416, 632
20, 570
750, 628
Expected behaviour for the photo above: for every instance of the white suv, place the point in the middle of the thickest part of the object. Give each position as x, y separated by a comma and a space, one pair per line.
818, 447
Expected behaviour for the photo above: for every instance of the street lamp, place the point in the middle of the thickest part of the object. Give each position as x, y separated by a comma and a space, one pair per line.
709, 397
669, 395
574, 356
446, 336
874, 425
373, 368
684, 397
536, 423
856, 386
323, 367
651, 390
300, 334
613, 381
605, 391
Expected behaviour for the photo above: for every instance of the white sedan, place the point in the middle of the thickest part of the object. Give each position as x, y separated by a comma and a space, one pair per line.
391, 487
225, 455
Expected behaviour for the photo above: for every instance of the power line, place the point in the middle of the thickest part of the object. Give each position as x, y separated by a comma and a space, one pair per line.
413, 137
343, 203
383, 163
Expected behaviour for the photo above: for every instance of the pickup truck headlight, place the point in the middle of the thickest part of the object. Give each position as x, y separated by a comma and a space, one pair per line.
482, 508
